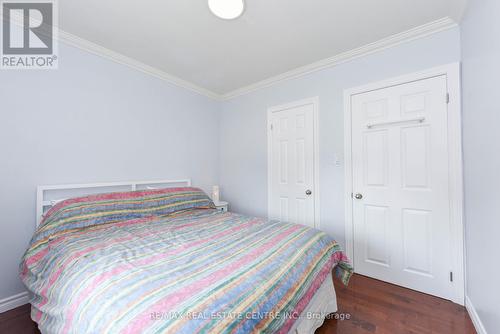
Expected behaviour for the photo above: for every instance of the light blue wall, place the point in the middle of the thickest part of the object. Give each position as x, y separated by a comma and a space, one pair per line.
92, 120
243, 138
481, 121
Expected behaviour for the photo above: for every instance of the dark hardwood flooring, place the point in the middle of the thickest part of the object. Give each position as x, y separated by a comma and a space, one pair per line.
17, 321
372, 307
383, 308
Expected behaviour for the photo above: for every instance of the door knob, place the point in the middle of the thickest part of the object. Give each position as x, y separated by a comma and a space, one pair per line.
308, 192
358, 196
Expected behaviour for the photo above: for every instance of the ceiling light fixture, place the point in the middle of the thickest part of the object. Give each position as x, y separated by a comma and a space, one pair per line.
227, 9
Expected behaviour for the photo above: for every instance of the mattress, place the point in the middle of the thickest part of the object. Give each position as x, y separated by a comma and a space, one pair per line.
321, 305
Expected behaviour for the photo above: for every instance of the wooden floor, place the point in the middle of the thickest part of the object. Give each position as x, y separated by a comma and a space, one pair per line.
379, 307
372, 307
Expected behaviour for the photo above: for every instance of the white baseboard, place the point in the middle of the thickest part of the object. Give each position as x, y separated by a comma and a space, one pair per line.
474, 316
12, 302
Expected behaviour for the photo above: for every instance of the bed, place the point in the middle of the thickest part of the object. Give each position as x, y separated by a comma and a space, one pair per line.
166, 261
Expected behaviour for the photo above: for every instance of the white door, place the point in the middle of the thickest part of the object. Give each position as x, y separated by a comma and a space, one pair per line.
292, 192
401, 209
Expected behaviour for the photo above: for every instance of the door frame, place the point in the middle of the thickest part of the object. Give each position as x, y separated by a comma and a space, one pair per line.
455, 166
270, 111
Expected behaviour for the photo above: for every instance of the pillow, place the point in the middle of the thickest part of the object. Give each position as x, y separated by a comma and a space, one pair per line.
120, 206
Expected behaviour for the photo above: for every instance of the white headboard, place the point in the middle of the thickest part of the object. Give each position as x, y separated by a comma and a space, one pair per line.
48, 196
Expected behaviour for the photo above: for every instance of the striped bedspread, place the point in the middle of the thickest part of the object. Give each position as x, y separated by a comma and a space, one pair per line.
190, 271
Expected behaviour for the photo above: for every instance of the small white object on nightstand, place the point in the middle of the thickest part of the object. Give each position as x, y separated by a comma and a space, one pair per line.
222, 206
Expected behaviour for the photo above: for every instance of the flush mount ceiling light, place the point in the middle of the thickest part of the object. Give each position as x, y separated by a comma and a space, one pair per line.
227, 9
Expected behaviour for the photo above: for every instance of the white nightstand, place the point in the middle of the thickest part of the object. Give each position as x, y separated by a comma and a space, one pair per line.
222, 206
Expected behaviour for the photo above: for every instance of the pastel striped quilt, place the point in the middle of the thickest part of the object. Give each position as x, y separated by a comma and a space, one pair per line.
120, 263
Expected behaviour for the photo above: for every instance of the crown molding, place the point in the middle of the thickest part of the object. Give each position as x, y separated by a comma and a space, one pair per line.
96, 49
385, 43
99, 50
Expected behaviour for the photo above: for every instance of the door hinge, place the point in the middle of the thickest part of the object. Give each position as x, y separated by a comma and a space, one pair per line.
451, 276
447, 98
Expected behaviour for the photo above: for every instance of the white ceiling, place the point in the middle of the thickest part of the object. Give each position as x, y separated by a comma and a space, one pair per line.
182, 38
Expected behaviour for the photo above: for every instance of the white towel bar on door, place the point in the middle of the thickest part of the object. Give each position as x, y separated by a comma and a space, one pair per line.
414, 120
